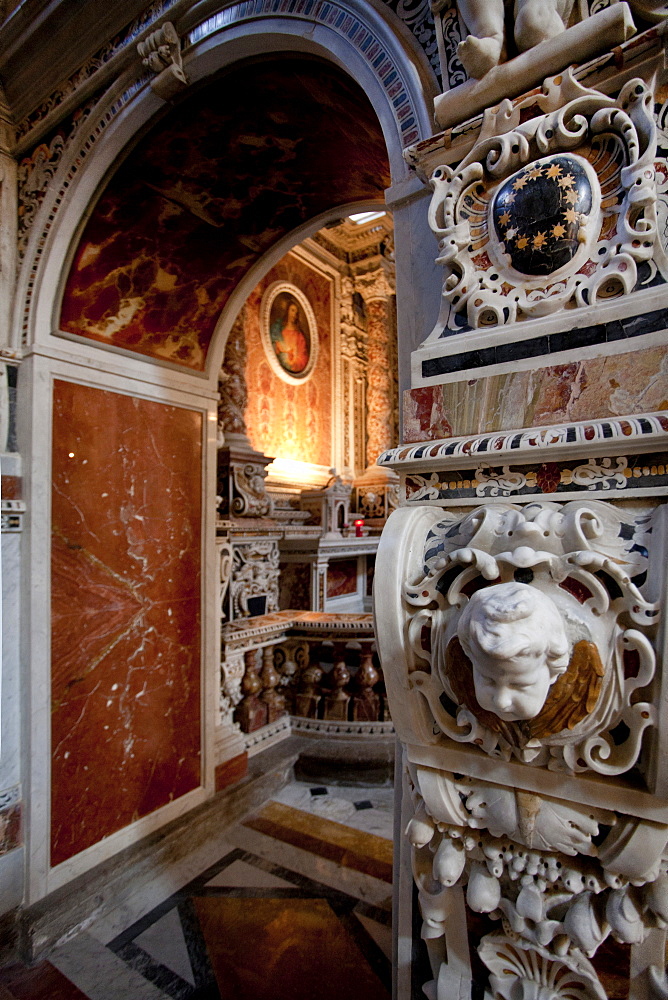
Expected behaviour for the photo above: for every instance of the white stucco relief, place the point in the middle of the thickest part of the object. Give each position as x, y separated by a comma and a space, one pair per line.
529, 638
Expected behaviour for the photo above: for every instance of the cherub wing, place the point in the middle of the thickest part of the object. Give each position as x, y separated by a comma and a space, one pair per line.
573, 695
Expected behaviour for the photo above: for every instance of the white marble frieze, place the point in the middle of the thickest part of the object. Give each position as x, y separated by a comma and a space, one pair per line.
637, 434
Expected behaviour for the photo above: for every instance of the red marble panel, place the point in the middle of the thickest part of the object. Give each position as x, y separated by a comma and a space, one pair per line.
341, 577
231, 771
11, 488
211, 188
41, 982
292, 421
10, 828
125, 602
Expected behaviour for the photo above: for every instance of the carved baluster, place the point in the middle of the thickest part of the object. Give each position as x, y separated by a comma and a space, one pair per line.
274, 701
308, 697
381, 690
286, 669
336, 702
366, 703
251, 714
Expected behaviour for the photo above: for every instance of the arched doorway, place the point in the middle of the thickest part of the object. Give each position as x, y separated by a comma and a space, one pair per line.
202, 203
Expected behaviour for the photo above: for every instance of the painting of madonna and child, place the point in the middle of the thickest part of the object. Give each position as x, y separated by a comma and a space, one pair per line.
289, 332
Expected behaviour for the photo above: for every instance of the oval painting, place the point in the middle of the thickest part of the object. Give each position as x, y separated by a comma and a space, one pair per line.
289, 331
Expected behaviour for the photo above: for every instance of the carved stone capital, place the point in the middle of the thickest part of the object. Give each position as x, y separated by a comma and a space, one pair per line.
377, 284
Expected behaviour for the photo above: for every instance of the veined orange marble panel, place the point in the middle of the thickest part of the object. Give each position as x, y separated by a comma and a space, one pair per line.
350, 848
292, 421
267, 948
125, 599
617, 385
215, 184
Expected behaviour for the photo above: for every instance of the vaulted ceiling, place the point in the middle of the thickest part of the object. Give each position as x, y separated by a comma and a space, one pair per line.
207, 191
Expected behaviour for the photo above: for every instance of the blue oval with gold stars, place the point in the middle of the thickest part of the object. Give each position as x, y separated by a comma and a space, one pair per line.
538, 213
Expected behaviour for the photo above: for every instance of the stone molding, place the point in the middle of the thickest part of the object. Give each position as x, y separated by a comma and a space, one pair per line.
644, 432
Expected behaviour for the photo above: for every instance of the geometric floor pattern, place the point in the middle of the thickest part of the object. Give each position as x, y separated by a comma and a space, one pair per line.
298, 907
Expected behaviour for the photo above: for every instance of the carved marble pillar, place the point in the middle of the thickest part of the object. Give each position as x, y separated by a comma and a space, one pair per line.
353, 378
377, 288
241, 469
521, 587
8, 223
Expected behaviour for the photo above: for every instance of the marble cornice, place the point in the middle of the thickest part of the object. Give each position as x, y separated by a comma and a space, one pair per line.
263, 627
641, 433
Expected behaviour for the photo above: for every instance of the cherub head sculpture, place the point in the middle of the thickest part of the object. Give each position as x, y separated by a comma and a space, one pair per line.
514, 636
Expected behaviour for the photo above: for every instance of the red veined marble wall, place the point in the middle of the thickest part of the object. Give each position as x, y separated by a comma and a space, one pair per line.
211, 188
125, 599
285, 420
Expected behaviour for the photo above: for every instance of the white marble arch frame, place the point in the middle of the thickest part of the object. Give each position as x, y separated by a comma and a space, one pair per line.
56, 226
49, 354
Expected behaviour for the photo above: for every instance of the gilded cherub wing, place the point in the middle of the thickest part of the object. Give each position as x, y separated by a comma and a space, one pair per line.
573, 696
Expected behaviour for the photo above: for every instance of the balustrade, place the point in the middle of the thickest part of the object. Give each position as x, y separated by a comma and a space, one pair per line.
323, 676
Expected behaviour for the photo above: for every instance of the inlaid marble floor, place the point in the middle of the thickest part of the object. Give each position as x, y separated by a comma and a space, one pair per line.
298, 907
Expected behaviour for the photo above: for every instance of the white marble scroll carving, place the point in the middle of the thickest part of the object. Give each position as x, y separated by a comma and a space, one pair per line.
528, 635
556, 211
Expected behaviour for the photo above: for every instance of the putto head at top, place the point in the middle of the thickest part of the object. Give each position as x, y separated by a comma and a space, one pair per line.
515, 638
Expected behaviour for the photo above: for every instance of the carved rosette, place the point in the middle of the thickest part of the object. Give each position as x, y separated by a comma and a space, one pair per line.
557, 211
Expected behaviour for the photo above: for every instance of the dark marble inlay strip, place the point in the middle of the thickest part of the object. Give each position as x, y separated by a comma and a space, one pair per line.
554, 343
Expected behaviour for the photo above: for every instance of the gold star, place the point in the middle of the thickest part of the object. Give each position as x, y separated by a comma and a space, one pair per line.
558, 230
536, 172
539, 240
520, 182
567, 181
554, 170
571, 196
522, 242
571, 215
504, 219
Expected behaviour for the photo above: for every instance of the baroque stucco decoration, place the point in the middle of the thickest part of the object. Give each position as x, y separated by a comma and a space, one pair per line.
255, 573
550, 213
537, 606
529, 639
546, 870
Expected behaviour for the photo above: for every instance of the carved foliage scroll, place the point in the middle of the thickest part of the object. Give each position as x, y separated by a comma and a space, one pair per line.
559, 673
550, 213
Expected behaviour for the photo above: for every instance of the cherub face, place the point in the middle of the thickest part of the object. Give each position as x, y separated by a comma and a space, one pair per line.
514, 688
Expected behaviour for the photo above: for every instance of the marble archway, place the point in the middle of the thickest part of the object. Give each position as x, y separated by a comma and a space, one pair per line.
191, 210
211, 188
